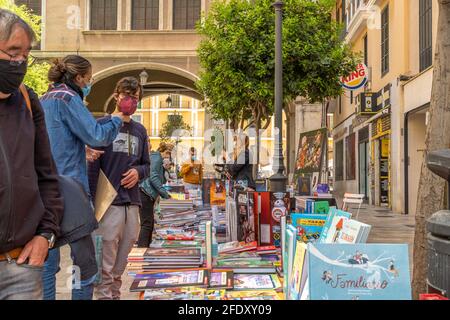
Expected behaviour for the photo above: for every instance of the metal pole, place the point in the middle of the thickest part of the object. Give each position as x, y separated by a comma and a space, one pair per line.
278, 180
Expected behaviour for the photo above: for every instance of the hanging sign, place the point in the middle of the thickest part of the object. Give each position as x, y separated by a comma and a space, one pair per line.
356, 79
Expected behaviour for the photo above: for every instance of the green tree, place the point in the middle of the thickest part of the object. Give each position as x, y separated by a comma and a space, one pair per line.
174, 127
36, 77
237, 55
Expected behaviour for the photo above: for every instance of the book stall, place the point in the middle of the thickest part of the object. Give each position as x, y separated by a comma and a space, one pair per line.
238, 245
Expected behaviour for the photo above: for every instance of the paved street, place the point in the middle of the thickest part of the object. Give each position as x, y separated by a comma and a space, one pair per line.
387, 227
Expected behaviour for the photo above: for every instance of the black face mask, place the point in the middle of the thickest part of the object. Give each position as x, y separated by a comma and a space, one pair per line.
11, 76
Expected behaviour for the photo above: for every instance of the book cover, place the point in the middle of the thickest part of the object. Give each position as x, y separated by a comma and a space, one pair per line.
328, 234
309, 206
351, 232
304, 186
171, 279
236, 246
288, 257
321, 207
308, 226
256, 282
209, 244
246, 217
217, 193
180, 293
166, 252
253, 295
175, 244
221, 279
359, 272
297, 271
280, 205
244, 263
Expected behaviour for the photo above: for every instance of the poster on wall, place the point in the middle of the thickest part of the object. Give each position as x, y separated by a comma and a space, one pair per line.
312, 145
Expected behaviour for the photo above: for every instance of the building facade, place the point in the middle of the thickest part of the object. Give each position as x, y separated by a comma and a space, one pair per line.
152, 40
379, 129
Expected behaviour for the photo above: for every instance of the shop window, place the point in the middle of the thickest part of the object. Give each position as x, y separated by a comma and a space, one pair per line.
350, 157
339, 161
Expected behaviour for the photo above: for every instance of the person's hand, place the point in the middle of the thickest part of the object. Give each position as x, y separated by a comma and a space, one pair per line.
131, 178
92, 154
35, 251
118, 114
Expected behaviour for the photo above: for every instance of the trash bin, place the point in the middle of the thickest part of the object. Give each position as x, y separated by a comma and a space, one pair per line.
439, 253
438, 226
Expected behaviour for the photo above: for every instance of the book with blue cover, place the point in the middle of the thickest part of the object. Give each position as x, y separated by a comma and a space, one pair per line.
309, 226
359, 272
332, 225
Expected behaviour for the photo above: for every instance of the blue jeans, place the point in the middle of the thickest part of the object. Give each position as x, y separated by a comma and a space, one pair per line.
83, 256
20, 282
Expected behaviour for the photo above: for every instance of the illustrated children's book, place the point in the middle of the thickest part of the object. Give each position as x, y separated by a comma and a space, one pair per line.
333, 224
252, 295
198, 278
221, 279
359, 272
353, 232
256, 282
309, 226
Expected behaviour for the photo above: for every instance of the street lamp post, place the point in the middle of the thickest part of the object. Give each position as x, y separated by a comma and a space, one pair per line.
278, 180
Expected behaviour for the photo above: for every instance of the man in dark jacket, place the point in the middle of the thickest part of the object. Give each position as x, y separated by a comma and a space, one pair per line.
31, 207
241, 170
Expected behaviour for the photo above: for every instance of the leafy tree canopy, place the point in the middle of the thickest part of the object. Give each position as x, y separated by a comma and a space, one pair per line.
174, 127
237, 55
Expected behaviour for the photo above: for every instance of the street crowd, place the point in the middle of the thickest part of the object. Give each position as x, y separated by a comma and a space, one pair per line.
52, 149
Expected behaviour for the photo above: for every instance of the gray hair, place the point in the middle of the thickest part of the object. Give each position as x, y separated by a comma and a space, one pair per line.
8, 21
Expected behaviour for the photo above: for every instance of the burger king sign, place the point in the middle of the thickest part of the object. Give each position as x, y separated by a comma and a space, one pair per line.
356, 79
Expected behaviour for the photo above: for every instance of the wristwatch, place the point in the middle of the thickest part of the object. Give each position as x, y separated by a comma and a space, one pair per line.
50, 238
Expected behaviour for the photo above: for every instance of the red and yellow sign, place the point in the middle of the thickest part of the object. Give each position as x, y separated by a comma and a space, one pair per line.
356, 79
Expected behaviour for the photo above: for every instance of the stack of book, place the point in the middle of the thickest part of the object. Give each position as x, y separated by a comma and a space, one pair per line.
142, 259
247, 258
203, 278
178, 201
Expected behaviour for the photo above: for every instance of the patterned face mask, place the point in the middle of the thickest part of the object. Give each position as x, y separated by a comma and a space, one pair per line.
128, 105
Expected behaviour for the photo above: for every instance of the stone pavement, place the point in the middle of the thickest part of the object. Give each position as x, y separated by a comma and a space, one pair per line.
387, 227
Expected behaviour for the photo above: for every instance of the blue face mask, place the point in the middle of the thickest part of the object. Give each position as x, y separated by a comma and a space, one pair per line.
86, 90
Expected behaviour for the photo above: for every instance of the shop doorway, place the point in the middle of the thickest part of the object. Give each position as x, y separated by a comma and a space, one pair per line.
364, 162
364, 169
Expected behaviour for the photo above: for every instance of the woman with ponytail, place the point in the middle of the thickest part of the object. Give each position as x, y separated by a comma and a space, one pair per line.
71, 128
